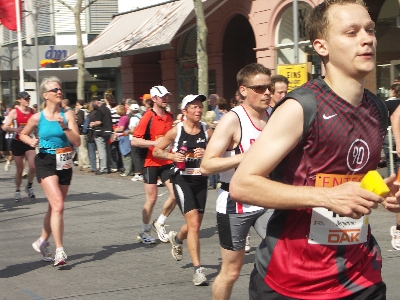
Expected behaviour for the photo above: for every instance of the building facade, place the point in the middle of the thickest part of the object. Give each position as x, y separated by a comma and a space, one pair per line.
56, 35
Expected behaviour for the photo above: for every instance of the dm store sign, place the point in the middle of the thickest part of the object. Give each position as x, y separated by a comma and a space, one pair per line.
53, 55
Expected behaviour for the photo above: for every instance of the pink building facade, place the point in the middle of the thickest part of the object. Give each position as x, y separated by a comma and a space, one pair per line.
239, 32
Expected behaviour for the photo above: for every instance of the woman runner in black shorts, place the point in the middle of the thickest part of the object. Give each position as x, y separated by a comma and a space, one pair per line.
57, 133
190, 187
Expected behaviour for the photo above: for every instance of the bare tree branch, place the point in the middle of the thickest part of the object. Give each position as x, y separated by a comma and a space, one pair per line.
66, 5
90, 3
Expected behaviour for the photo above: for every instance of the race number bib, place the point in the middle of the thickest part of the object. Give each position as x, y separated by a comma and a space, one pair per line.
64, 158
329, 228
191, 171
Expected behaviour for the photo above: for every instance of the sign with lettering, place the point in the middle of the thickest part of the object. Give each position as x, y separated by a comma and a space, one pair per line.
53, 55
297, 74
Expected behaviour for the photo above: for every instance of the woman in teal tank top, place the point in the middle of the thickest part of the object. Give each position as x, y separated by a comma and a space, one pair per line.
57, 133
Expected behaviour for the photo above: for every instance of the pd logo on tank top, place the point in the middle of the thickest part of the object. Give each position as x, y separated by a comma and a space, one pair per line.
358, 155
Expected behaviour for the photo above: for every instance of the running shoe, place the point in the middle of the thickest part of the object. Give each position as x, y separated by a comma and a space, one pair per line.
145, 238
199, 278
160, 183
43, 248
29, 191
176, 250
395, 237
137, 177
60, 258
247, 247
17, 196
160, 229
24, 174
123, 175
7, 166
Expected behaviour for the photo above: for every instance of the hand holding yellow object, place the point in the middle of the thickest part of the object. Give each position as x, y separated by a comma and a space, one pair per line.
373, 182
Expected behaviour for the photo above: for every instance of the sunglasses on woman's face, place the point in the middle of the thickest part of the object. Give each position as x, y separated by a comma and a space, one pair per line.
55, 90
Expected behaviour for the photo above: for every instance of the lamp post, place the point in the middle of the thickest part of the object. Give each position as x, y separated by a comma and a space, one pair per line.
35, 19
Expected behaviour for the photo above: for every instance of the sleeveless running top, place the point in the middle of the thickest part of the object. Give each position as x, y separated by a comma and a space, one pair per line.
308, 253
249, 133
51, 135
22, 119
198, 140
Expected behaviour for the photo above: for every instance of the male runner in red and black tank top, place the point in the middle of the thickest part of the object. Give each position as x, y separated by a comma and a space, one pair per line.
21, 115
319, 243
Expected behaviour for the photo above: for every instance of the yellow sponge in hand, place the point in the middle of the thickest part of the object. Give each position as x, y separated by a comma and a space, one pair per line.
373, 182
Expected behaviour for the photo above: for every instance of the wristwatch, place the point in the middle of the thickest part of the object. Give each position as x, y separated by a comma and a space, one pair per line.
65, 128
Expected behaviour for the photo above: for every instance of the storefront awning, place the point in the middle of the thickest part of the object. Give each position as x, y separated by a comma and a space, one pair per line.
65, 74
139, 31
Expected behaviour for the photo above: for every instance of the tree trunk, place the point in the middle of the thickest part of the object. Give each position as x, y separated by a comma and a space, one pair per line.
80, 86
201, 49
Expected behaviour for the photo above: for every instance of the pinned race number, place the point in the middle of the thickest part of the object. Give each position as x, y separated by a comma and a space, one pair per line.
64, 158
329, 228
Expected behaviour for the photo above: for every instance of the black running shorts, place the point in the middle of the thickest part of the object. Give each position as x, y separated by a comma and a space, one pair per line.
46, 166
19, 148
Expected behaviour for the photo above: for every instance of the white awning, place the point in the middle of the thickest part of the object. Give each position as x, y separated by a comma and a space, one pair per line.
139, 31
65, 74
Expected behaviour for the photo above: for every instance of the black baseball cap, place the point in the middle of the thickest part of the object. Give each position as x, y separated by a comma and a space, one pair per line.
24, 95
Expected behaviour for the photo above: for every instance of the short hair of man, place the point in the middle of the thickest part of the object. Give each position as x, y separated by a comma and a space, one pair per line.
397, 79
46, 81
223, 104
279, 78
396, 88
81, 102
317, 22
66, 102
245, 74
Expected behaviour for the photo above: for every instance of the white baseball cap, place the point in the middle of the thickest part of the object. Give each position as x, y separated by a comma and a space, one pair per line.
159, 91
134, 106
191, 98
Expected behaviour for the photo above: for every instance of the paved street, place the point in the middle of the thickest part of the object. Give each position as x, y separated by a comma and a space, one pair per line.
102, 218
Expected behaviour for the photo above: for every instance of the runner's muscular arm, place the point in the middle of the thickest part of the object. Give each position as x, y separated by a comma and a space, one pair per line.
12, 115
251, 185
30, 127
225, 136
159, 149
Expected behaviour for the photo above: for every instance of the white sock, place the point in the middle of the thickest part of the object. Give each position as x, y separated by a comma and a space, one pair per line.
41, 241
59, 249
145, 227
161, 219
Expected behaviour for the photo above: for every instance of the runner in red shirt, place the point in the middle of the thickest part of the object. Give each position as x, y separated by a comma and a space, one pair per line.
319, 243
20, 116
151, 129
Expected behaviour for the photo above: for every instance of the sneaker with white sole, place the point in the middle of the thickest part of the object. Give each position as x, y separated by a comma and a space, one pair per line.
395, 237
137, 177
160, 230
7, 166
199, 278
145, 238
176, 250
17, 196
44, 249
247, 247
60, 258
31, 194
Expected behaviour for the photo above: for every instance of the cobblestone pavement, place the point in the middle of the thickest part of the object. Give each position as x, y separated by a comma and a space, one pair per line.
102, 218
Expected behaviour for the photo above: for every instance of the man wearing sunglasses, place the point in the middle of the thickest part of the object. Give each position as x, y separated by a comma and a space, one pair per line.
19, 117
233, 136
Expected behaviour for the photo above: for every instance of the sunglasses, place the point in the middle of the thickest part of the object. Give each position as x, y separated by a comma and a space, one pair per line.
260, 89
55, 90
